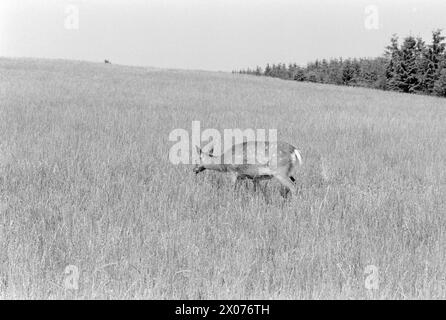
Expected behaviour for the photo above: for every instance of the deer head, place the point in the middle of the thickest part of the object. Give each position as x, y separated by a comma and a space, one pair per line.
205, 158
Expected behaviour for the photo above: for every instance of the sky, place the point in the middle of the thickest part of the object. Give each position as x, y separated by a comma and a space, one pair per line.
218, 35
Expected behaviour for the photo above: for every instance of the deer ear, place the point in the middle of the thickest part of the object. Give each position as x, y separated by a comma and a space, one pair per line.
198, 150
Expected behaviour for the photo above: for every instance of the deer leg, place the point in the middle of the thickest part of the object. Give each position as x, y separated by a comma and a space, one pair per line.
297, 187
286, 182
264, 192
236, 181
256, 184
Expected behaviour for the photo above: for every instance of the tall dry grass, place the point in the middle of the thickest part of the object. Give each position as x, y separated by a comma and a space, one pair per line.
85, 180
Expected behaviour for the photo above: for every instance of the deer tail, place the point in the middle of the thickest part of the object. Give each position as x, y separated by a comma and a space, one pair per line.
297, 156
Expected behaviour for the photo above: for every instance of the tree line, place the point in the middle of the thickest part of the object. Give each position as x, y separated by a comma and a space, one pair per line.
412, 66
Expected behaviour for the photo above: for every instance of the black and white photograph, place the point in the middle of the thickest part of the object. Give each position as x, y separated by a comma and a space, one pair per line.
247, 151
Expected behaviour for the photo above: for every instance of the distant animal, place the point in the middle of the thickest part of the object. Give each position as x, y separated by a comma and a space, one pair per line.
107, 61
288, 158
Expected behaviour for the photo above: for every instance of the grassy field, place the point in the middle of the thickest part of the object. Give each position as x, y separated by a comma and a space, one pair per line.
85, 181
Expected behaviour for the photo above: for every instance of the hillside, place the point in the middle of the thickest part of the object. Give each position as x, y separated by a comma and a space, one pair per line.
85, 181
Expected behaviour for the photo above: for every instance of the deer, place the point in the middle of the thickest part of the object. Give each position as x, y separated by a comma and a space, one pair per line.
269, 160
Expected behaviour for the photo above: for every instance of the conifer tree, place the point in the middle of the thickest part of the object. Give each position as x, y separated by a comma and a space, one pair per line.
407, 78
433, 56
348, 72
420, 51
267, 70
440, 84
393, 56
